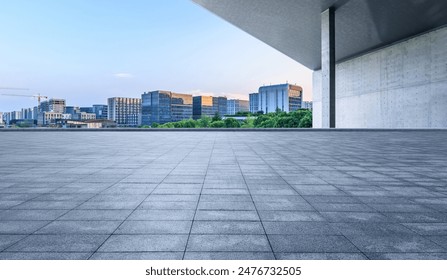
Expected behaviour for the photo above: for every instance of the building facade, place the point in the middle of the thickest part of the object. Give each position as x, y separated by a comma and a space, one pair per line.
124, 111
165, 106
306, 105
48, 118
236, 105
101, 111
283, 97
202, 106
53, 105
254, 102
209, 106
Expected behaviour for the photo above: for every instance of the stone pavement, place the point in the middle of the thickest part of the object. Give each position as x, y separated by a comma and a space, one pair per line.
223, 195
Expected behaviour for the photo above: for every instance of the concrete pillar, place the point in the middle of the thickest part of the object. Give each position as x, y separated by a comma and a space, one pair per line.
328, 68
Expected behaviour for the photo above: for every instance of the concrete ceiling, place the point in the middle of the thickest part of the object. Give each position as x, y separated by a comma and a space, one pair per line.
293, 26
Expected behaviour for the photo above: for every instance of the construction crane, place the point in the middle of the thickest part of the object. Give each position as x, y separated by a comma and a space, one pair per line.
37, 96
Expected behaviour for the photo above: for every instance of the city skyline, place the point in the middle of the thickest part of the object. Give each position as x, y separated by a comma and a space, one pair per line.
85, 52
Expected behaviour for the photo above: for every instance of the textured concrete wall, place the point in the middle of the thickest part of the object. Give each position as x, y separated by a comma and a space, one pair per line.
400, 86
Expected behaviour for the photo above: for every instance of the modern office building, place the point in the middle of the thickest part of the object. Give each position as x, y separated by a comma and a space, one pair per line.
81, 116
48, 118
53, 105
181, 106
1, 119
209, 106
283, 97
124, 111
306, 105
101, 111
202, 106
236, 105
377, 64
35, 112
27, 114
165, 106
254, 102
220, 105
87, 110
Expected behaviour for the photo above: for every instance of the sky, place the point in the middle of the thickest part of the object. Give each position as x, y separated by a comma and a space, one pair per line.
86, 51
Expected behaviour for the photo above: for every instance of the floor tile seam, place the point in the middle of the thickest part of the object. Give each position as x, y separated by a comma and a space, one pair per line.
251, 196
66, 183
268, 164
200, 195
133, 210
27, 235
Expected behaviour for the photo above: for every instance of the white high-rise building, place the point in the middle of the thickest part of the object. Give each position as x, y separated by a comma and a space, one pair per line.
124, 111
283, 97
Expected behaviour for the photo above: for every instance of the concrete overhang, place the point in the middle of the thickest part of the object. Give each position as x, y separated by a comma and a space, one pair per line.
293, 27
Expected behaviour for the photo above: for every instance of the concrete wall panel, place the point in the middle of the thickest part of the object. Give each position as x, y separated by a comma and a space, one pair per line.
400, 86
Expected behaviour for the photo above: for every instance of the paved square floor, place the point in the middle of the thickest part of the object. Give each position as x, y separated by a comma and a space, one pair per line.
223, 195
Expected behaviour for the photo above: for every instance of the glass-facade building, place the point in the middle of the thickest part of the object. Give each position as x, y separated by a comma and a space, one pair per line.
284, 97
208, 106
165, 106
124, 111
202, 106
254, 102
236, 105
101, 111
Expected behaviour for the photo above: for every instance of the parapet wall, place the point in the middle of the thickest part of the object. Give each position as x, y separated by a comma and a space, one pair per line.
400, 86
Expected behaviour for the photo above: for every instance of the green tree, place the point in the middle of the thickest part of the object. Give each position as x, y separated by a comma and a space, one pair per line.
232, 123
216, 117
204, 122
217, 124
248, 122
306, 121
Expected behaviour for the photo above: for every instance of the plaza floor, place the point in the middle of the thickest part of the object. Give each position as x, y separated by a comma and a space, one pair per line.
223, 195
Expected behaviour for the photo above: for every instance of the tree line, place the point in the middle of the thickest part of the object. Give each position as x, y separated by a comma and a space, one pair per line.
297, 119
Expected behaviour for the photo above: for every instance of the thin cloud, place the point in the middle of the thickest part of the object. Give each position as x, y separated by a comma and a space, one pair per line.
123, 75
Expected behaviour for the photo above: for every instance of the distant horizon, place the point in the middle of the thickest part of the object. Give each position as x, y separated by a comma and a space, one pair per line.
85, 51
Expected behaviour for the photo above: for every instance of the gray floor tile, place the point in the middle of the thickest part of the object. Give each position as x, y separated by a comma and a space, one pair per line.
229, 256
311, 244
96, 215
232, 243
290, 216
320, 256
43, 256
34, 215
8, 240
155, 227
162, 215
216, 215
355, 217
138, 256
428, 228
58, 243
394, 243
168, 205
314, 228
80, 227
20, 227
407, 256
143, 243
226, 227
226, 205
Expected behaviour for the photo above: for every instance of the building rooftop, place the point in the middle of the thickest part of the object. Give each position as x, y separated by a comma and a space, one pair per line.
223, 195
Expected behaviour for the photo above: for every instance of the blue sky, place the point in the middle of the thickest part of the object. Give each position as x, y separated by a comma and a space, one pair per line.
88, 50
